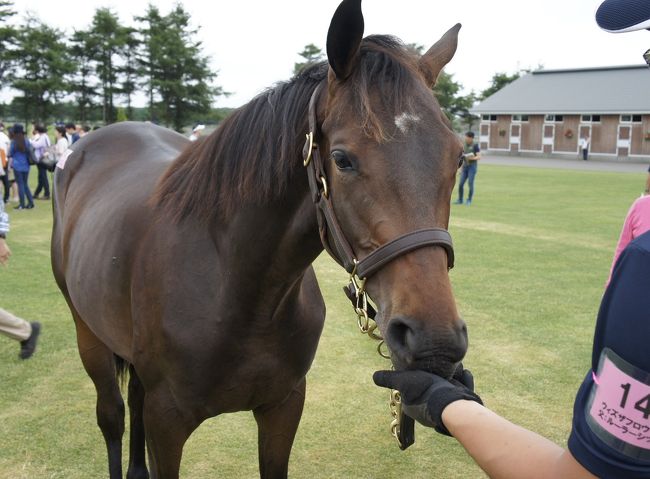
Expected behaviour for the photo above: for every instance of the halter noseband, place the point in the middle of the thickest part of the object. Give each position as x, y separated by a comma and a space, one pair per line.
332, 235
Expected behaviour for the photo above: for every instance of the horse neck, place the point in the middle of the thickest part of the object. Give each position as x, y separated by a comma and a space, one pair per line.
272, 244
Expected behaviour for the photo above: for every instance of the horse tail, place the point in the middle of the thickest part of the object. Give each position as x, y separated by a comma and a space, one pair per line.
121, 370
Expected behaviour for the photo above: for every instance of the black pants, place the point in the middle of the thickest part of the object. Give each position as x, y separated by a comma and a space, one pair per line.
5, 182
585, 154
43, 182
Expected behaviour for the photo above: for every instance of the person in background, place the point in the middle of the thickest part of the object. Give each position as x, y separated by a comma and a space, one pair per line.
647, 183
196, 132
84, 131
636, 223
71, 133
41, 144
4, 162
12, 326
19, 154
584, 146
469, 168
61, 144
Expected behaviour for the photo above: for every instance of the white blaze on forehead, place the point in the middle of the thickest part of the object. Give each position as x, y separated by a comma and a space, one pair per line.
405, 121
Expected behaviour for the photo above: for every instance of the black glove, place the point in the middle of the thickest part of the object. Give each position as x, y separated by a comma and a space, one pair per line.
425, 395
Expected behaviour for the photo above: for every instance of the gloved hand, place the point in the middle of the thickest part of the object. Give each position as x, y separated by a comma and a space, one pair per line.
425, 395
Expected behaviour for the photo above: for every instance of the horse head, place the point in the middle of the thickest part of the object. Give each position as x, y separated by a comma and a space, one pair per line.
390, 158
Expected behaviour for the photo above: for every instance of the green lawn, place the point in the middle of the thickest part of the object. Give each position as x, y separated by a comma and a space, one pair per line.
532, 255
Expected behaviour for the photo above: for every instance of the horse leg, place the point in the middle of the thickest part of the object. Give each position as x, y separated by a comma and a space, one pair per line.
99, 363
166, 429
137, 462
277, 426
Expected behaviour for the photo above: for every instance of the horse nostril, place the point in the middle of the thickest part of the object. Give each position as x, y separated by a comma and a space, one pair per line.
401, 338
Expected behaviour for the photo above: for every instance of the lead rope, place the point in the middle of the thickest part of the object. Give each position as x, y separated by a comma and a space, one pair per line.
367, 325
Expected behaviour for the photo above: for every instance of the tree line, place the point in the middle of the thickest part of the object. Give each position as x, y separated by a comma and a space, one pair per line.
85, 74
91, 70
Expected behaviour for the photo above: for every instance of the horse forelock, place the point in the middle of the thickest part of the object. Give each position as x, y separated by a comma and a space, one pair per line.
384, 84
254, 153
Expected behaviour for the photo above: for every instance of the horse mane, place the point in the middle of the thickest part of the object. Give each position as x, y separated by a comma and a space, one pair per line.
254, 153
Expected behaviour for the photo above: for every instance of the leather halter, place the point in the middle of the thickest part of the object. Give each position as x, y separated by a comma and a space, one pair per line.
332, 235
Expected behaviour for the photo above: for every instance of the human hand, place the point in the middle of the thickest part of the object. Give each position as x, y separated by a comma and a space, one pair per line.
5, 252
425, 395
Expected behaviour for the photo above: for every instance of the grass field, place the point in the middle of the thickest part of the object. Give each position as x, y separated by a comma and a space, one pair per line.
532, 255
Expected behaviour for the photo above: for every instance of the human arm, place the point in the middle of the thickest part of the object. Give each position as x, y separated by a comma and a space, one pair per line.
647, 184
5, 252
624, 239
505, 450
501, 448
475, 154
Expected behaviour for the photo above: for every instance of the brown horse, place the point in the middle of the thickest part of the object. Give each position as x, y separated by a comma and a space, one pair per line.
191, 263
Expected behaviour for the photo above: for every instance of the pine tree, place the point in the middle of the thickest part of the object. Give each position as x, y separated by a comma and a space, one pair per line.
311, 55
108, 40
82, 83
178, 73
7, 39
42, 64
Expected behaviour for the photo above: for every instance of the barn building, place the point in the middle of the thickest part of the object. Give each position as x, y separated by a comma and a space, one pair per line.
546, 112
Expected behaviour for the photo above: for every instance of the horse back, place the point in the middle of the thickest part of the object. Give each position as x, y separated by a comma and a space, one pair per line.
101, 214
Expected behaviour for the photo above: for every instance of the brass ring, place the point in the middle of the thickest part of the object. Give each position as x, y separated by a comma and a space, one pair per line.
325, 192
309, 136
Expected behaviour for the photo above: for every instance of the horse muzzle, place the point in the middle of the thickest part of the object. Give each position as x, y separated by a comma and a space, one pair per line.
413, 345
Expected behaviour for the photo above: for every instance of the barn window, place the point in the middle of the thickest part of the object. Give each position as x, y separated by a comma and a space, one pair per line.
522, 118
489, 117
590, 118
631, 118
554, 118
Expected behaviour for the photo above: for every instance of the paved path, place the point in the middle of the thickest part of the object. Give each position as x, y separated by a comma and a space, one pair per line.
564, 164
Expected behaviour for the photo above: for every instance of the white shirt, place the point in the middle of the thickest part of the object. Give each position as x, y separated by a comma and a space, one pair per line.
61, 146
584, 143
4, 141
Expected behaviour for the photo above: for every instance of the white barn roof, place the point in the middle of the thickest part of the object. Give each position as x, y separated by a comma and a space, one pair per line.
606, 90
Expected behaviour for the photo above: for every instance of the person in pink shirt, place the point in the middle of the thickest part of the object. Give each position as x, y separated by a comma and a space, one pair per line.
636, 223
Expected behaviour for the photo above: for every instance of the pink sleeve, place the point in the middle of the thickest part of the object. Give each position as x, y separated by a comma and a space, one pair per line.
625, 238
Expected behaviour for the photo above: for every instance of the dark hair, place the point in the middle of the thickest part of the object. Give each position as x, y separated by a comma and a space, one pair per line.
61, 129
70, 125
86, 128
40, 129
19, 141
470, 134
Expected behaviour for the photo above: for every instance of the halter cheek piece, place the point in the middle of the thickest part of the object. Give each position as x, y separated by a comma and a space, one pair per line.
338, 247
332, 235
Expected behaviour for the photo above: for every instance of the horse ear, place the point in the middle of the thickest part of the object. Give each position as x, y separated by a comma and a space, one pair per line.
344, 38
433, 61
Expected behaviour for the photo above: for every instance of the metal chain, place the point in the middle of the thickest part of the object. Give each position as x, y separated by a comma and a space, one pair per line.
368, 326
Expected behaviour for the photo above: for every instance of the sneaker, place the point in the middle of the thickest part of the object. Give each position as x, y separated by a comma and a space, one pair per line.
28, 346
469, 203
458, 202
29, 207
19, 207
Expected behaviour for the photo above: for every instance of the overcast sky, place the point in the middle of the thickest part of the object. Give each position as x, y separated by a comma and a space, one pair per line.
255, 43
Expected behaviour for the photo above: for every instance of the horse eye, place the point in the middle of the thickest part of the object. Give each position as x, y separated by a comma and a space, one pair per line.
341, 160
